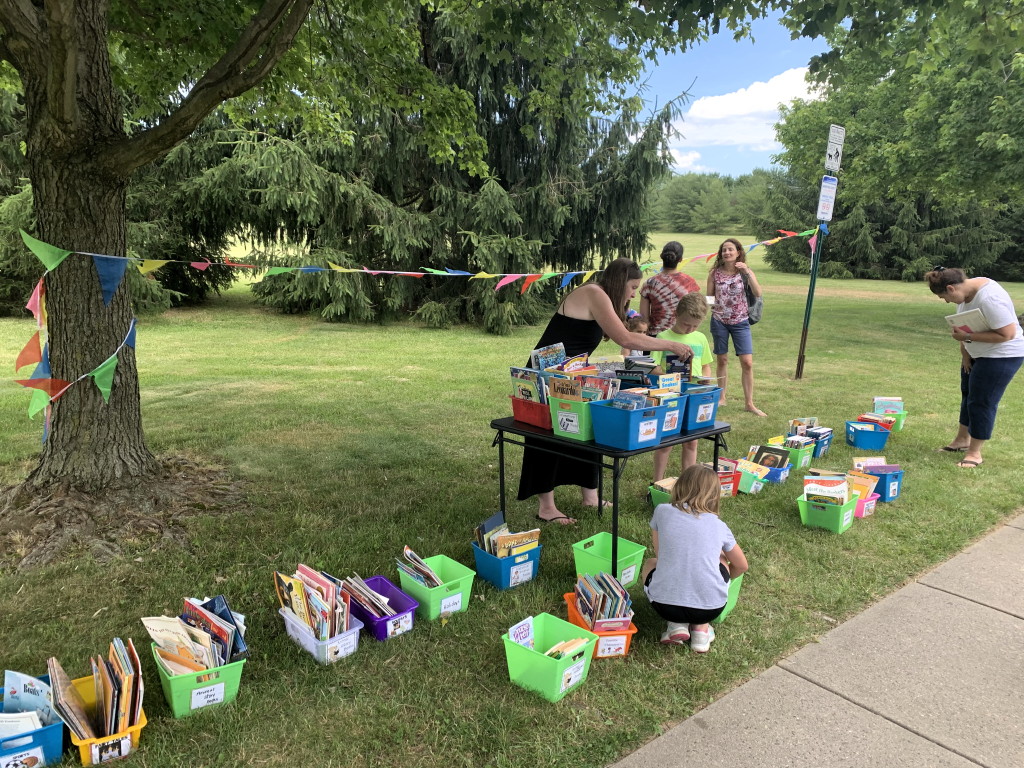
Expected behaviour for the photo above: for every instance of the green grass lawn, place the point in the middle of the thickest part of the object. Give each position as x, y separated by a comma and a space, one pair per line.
356, 440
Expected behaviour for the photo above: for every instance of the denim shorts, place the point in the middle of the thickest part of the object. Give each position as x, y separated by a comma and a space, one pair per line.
742, 342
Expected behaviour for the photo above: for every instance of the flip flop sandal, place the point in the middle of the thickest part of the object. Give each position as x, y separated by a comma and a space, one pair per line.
969, 464
951, 449
556, 519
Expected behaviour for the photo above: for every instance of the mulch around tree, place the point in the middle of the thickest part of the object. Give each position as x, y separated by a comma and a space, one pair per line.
43, 527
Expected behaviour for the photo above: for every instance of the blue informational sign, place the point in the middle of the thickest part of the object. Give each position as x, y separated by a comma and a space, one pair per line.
827, 198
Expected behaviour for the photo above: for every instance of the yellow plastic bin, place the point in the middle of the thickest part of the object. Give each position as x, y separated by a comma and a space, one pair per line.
105, 748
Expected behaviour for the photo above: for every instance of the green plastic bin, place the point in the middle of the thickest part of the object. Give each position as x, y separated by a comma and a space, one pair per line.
832, 517
571, 419
451, 597
552, 678
594, 556
197, 690
734, 595
750, 483
801, 457
658, 495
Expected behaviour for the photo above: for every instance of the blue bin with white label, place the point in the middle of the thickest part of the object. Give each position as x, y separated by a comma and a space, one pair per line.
507, 572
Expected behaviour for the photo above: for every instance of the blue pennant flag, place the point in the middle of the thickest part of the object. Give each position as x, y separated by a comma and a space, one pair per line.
42, 370
824, 227
568, 278
130, 338
456, 271
111, 272
312, 269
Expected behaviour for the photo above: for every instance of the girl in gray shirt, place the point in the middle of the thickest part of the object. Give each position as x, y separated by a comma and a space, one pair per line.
696, 555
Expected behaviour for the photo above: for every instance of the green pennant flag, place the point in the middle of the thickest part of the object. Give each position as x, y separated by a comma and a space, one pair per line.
278, 270
807, 232
40, 399
549, 275
103, 375
434, 271
46, 253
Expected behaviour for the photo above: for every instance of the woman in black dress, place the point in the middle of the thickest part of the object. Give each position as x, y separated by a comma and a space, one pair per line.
589, 314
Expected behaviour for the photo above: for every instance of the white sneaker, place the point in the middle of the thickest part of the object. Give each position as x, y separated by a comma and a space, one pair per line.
676, 634
700, 642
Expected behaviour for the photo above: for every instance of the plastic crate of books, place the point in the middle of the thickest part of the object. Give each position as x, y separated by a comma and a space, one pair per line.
833, 517
801, 457
324, 651
189, 693
594, 555
397, 623
571, 419
453, 594
552, 678
729, 480
821, 445
866, 435
531, 412
866, 507
700, 410
665, 381
890, 480
672, 421
610, 643
658, 495
868, 419
750, 483
121, 744
626, 430
900, 417
734, 595
778, 474
45, 744
506, 572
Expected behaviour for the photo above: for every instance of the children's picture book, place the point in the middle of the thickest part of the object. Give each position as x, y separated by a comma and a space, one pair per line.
374, 602
522, 633
750, 467
631, 378
17, 723
417, 569
547, 357
887, 405
771, 456
644, 363
507, 544
859, 462
565, 389
68, 702
826, 489
673, 364
877, 418
24, 693
971, 321
565, 648
630, 401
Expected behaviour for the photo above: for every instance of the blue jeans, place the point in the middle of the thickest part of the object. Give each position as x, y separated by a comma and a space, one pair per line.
981, 389
742, 343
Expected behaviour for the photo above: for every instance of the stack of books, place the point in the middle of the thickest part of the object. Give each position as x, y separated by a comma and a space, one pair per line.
876, 418
887, 404
26, 705
494, 537
601, 599
207, 634
371, 601
418, 570
316, 599
529, 384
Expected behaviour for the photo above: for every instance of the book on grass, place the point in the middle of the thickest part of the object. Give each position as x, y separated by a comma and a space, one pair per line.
971, 321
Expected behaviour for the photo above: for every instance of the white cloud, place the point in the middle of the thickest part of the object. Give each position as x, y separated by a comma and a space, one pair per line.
688, 162
743, 119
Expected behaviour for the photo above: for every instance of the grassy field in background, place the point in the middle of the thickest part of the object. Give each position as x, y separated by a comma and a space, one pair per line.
356, 440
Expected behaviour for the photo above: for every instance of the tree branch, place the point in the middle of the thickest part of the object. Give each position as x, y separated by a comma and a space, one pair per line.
263, 42
20, 22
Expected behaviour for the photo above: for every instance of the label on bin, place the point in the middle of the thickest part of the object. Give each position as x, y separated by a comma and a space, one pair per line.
111, 749
452, 603
705, 412
520, 574
204, 697
847, 517
671, 420
400, 624
613, 645
894, 488
648, 430
343, 646
627, 574
573, 675
569, 422
32, 756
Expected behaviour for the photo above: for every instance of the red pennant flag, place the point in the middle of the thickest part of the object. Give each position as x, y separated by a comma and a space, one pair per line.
30, 354
230, 263
201, 264
52, 387
786, 232
530, 280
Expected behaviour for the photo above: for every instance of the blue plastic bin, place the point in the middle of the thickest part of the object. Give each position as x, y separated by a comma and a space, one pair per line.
626, 430
700, 410
506, 572
672, 422
46, 744
866, 435
822, 445
778, 474
889, 483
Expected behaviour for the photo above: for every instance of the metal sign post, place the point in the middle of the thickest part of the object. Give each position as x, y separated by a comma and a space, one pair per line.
826, 204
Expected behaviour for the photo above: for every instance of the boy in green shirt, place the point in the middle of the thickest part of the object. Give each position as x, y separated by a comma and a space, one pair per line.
690, 313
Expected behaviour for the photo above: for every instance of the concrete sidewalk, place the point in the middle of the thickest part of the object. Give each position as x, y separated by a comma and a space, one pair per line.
932, 675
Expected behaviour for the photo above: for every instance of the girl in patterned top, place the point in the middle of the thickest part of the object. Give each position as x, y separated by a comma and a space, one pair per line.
729, 318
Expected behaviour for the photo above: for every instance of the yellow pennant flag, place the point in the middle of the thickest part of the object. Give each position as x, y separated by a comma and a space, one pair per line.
588, 275
336, 268
151, 265
482, 274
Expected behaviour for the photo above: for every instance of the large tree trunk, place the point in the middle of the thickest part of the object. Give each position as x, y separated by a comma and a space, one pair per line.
80, 206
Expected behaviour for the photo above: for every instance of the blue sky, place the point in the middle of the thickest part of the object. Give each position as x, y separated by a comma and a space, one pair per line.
735, 89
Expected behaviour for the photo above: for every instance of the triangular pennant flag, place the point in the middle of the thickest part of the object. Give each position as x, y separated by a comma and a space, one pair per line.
111, 272
823, 227
813, 241
411, 274
786, 232
548, 275
51, 256
35, 303
314, 269
151, 265
530, 280
456, 272
588, 275
42, 370
130, 338
201, 265
103, 375
434, 271
230, 263
506, 280
51, 387
278, 270
482, 274
333, 266
30, 354
40, 399
752, 247
808, 232
568, 278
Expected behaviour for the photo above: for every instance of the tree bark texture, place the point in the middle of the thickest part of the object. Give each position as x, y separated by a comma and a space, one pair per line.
72, 109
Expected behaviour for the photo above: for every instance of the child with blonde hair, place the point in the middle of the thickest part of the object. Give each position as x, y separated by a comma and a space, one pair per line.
690, 313
695, 558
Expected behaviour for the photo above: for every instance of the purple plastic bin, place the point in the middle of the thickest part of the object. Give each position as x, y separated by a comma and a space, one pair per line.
399, 622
